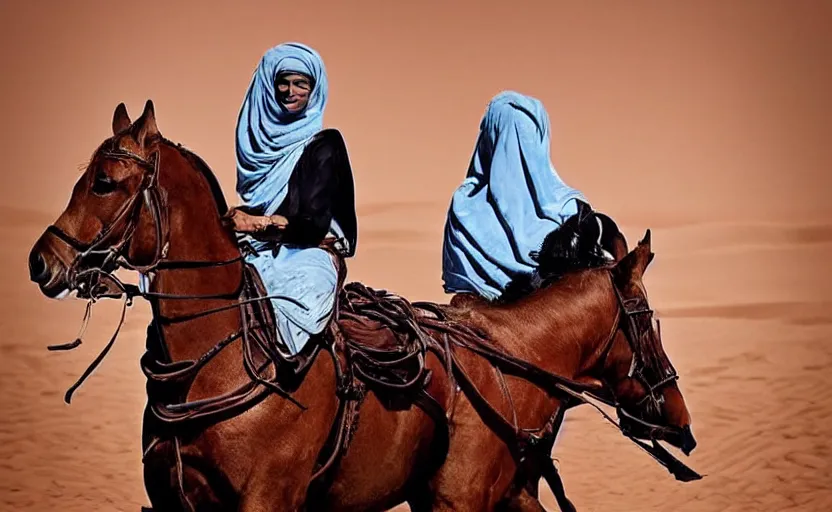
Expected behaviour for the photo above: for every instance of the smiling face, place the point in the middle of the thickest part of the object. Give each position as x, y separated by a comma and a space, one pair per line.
293, 90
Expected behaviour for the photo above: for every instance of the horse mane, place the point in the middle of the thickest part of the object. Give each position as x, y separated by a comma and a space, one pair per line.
194, 159
203, 168
573, 247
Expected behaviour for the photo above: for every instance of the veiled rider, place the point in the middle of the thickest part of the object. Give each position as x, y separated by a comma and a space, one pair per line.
511, 199
296, 185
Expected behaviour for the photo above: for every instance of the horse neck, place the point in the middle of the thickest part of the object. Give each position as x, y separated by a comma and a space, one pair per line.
196, 234
568, 325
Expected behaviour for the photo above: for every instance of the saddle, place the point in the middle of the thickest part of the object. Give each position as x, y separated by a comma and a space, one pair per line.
380, 342
377, 345
353, 327
370, 339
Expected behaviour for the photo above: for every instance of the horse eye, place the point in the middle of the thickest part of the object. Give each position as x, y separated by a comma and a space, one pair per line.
103, 185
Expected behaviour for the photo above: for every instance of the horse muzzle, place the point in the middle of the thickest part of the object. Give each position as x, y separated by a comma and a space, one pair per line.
38, 270
46, 270
687, 442
680, 437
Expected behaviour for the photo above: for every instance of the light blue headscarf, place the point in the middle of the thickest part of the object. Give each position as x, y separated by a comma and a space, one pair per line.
510, 200
270, 140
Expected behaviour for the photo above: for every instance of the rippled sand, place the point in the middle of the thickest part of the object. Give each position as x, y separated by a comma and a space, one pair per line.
750, 333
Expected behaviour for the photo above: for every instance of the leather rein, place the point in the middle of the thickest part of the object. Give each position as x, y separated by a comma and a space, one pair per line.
533, 446
87, 281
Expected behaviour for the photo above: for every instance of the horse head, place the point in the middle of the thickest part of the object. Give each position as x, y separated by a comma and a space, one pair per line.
107, 216
118, 214
636, 370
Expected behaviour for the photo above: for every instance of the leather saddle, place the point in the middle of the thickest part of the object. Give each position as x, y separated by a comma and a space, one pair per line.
362, 338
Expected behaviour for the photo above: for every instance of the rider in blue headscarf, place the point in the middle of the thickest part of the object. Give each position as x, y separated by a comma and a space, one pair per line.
296, 184
511, 199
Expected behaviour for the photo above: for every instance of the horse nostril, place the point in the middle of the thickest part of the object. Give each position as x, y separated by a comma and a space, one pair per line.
37, 268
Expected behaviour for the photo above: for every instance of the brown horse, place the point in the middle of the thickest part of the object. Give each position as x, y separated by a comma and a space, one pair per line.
218, 434
593, 327
223, 435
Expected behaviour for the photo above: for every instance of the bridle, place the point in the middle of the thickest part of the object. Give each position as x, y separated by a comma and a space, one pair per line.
87, 280
651, 367
147, 195
648, 365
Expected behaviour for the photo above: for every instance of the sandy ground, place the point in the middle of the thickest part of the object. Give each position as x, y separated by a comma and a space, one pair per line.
747, 319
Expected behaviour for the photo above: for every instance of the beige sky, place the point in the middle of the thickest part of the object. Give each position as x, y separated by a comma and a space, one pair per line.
653, 105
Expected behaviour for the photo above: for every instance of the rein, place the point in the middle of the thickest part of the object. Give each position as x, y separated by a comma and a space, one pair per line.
532, 445
528, 446
89, 282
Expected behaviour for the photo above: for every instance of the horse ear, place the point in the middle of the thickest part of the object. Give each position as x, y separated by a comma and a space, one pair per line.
120, 119
633, 265
649, 255
643, 252
646, 239
147, 125
625, 269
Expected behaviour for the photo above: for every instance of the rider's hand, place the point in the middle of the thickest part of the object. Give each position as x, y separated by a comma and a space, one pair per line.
278, 221
245, 223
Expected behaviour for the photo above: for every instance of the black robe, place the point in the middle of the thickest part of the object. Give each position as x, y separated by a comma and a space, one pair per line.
320, 189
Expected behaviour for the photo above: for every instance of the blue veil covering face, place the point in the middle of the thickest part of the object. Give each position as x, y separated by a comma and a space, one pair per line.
270, 141
510, 200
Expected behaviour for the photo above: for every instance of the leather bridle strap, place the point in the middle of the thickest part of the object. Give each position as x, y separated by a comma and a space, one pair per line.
128, 213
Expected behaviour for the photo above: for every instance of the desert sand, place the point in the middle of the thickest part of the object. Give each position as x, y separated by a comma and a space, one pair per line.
708, 124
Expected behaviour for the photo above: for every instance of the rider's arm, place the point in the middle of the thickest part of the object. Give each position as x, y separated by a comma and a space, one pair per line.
316, 178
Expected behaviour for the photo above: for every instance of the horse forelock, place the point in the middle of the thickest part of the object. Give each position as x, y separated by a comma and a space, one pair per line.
106, 145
